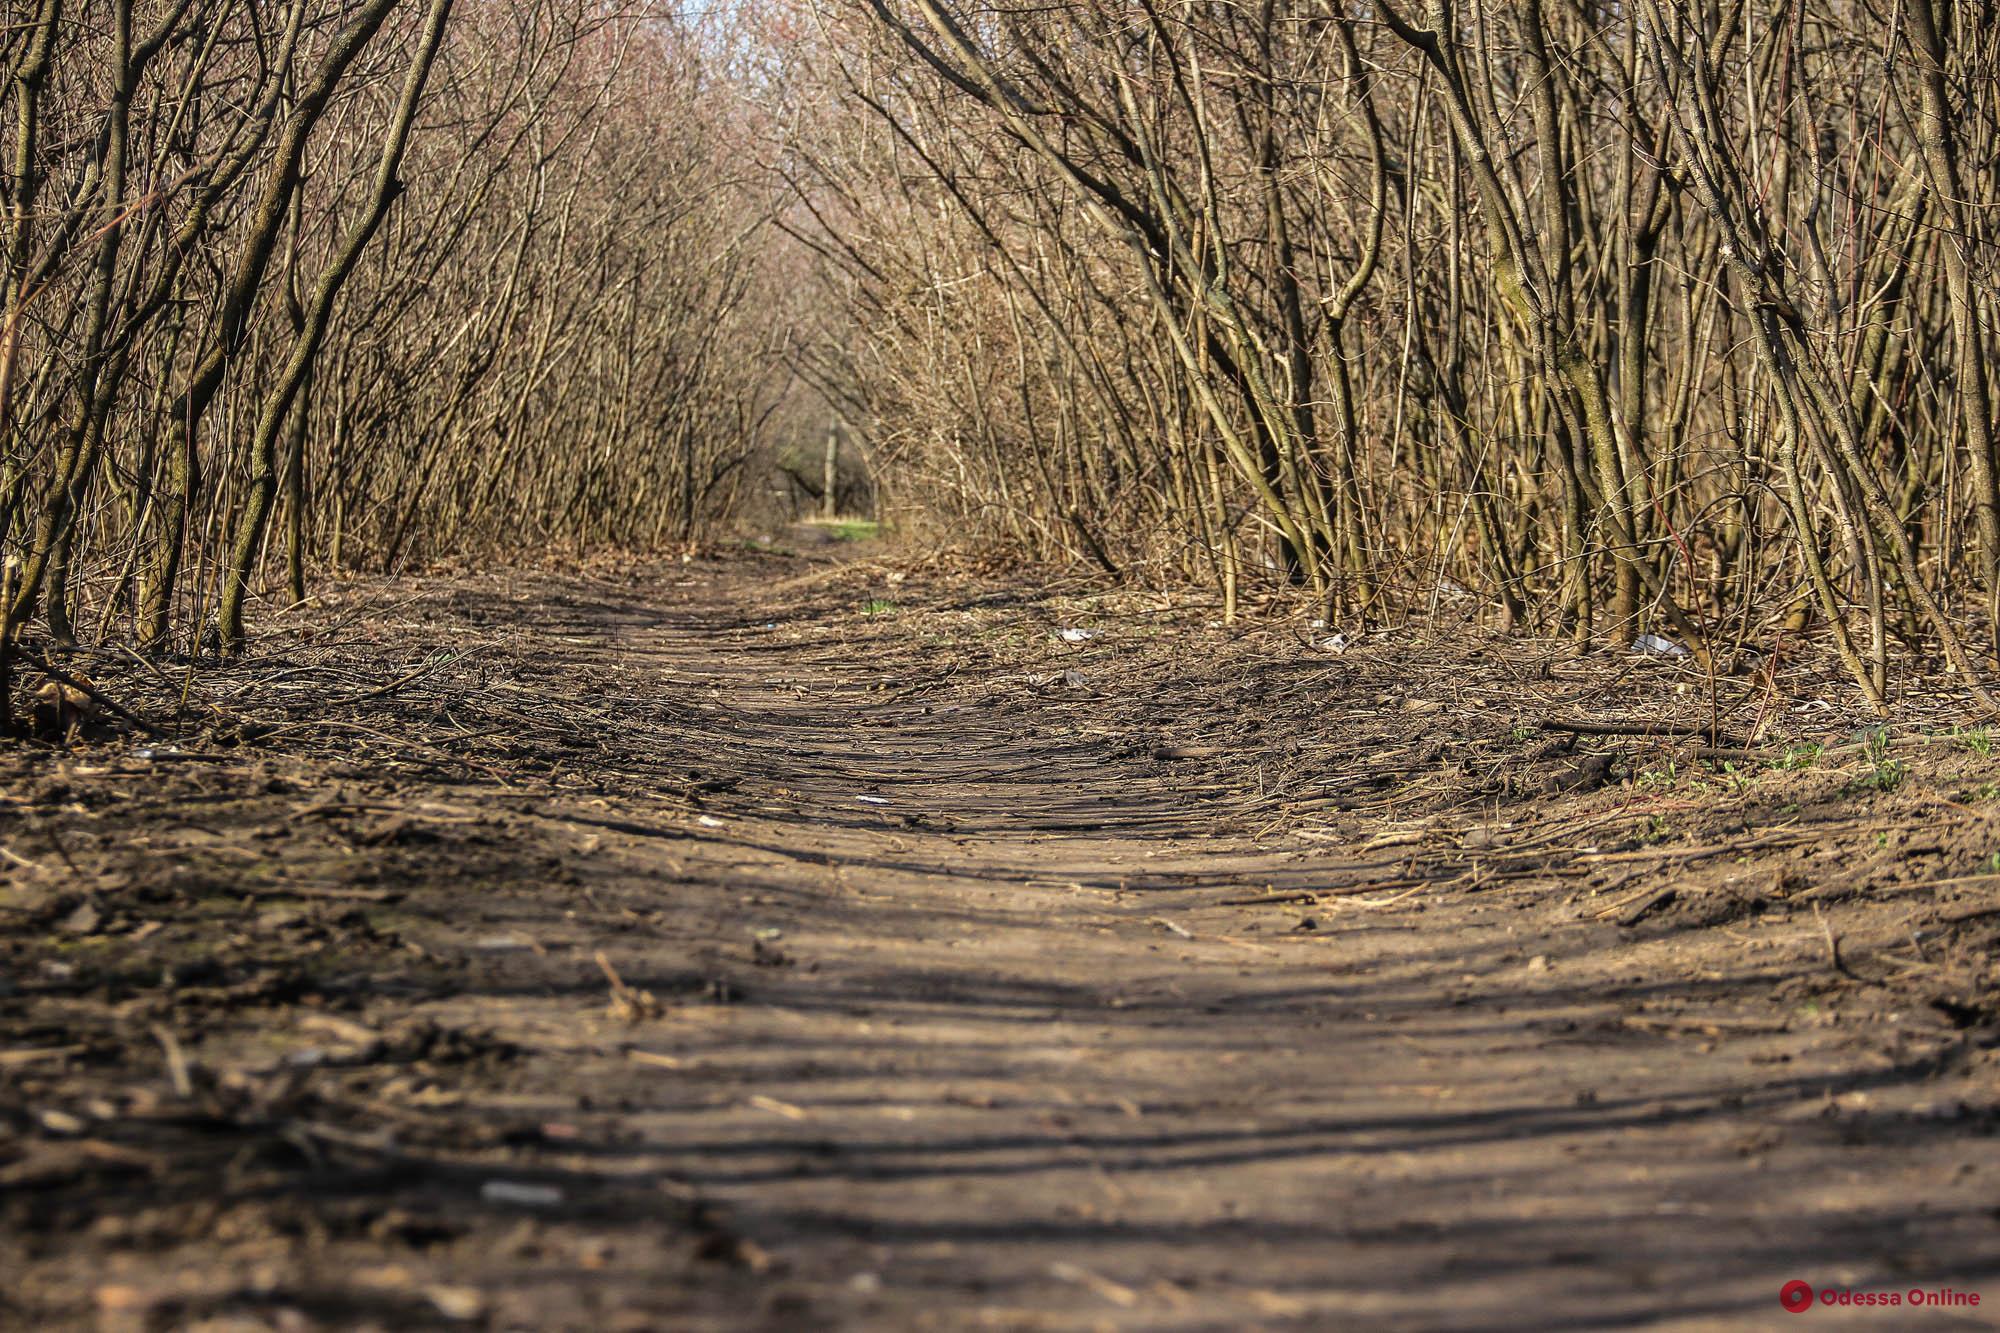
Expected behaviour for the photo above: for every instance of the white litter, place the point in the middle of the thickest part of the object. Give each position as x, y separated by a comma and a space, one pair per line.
1654, 646
1337, 644
527, 1196
873, 800
1077, 635
709, 821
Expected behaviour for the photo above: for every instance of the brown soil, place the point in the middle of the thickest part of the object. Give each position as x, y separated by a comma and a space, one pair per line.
787, 943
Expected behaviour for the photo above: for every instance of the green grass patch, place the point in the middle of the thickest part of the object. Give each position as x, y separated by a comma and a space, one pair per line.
1799, 757
1885, 773
1654, 779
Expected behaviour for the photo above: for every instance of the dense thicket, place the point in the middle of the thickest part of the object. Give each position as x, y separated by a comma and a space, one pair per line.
1671, 314
352, 281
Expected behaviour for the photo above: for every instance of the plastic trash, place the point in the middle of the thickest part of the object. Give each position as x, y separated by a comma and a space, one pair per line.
1335, 645
1077, 635
709, 821
873, 800
461, 1305
1652, 645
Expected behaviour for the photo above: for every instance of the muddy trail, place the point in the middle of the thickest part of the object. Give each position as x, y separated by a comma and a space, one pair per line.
800, 943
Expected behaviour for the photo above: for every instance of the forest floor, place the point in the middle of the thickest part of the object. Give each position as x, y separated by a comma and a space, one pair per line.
825, 940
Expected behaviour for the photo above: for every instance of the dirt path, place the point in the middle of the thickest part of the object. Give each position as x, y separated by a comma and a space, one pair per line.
940, 1005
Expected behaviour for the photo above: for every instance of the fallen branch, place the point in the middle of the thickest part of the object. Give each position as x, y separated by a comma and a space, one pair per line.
1653, 904
1589, 727
428, 668
97, 696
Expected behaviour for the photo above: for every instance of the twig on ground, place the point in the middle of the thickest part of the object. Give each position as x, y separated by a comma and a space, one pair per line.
627, 1002
1832, 942
1270, 899
177, 1062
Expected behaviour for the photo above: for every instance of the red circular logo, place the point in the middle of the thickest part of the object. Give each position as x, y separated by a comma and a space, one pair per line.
1796, 1296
